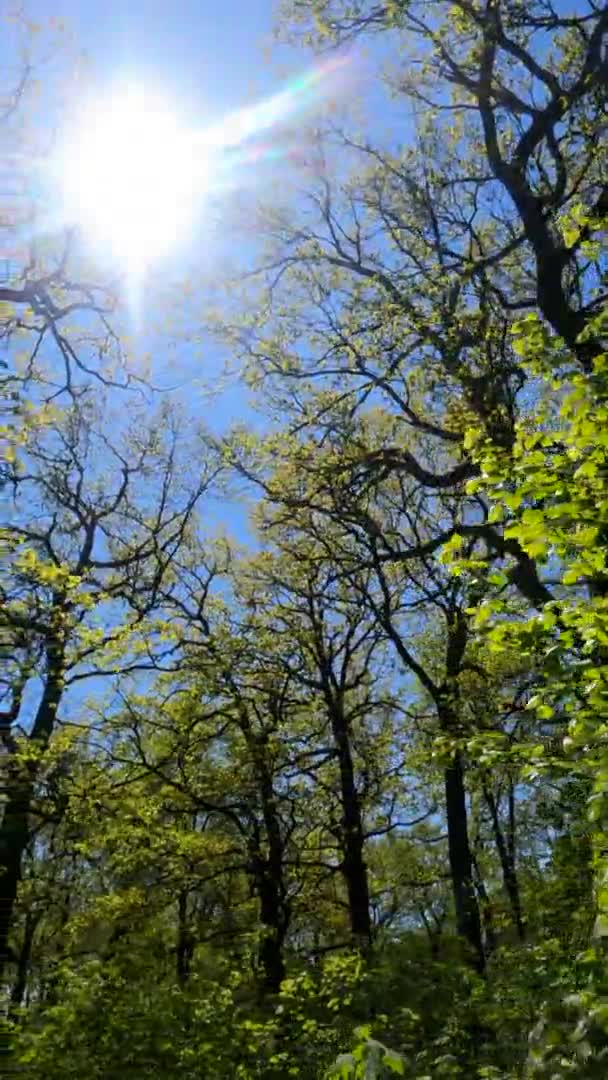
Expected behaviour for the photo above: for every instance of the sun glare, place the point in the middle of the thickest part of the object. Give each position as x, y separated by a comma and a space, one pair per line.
133, 178
130, 177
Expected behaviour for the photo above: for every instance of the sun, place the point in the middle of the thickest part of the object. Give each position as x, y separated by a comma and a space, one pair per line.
130, 176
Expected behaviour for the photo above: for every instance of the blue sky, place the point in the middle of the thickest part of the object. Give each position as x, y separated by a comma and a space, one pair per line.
207, 54
210, 57
210, 51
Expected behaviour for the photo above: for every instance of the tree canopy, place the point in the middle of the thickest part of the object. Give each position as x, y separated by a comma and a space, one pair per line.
329, 799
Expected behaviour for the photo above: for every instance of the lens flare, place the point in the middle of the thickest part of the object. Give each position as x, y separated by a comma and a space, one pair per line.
133, 178
255, 120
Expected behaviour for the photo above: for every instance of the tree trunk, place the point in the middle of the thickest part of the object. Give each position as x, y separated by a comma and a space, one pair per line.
268, 873
266, 859
507, 863
468, 922
19, 986
353, 865
268, 884
486, 912
15, 828
185, 940
355, 875
14, 838
274, 921
433, 933
23, 962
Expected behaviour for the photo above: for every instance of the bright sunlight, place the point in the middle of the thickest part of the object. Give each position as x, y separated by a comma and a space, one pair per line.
130, 176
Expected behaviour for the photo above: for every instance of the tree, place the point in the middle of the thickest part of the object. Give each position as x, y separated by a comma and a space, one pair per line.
354, 774
332, 653
395, 292
60, 317
91, 546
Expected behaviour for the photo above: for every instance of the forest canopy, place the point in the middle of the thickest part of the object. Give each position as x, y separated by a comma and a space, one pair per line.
327, 796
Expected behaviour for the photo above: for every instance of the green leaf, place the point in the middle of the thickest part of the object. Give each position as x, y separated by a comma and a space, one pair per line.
394, 1062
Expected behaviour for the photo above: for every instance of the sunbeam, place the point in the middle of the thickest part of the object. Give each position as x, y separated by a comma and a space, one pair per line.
132, 177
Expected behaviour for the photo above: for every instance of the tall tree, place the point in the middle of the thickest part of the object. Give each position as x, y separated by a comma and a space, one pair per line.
91, 545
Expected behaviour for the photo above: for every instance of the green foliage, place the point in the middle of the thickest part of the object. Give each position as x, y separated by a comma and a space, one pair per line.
104, 1020
551, 494
369, 1059
335, 805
